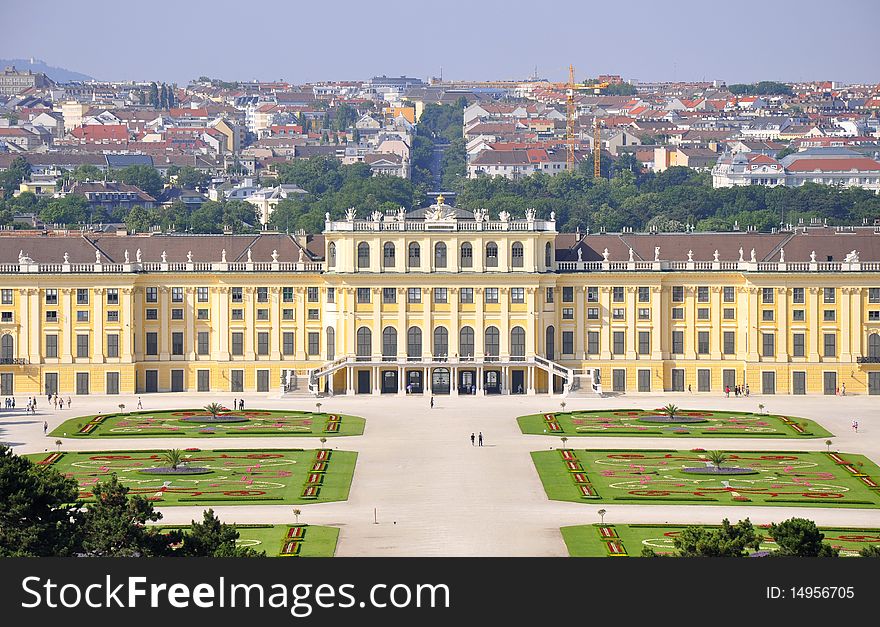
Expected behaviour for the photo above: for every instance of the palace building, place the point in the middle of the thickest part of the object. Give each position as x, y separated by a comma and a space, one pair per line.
441, 300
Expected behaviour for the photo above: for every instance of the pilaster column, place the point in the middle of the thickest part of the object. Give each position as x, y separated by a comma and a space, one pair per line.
532, 312
580, 320
275, 334
98, 325
857, 336
376, 304
504, 326
715, 333
781, 316
132, 334
402, 323
846, 323
658, 323
165, 332
753, 323
480, 326
690, 339
605, 315
814, 320
301, 335
221, 319
632, 321
66, 313
250, 329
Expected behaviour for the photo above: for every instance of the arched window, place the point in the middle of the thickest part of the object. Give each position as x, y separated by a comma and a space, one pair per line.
363, 255
331, 343
441, 342
7, 344
548, 256
388, 255
491, 255
467, 255
364, 342
550, 343
331, 255
517, 255
493, 342
874, 345
466, 342
415, 255
517, 342
414, 343
389, 342
440, 255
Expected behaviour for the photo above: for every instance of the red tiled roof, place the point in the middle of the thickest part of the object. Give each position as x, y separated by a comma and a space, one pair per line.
861, 164
99, 132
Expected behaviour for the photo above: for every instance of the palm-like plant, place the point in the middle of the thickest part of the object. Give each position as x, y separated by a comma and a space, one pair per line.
172, 457
717, 458
669, 411
213, 409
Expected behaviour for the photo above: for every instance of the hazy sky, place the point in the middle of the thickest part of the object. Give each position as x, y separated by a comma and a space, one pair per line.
178, 40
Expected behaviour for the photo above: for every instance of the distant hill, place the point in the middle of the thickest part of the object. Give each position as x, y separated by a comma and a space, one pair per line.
57, 74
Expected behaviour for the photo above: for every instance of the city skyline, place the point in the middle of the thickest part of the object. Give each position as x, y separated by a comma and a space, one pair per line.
465, 42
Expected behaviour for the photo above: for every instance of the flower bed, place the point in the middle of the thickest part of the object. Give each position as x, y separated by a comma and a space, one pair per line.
310, 492
50, 459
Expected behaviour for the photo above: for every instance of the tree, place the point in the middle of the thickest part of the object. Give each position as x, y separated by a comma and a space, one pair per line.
70, 210
799, 537
40, 511
138, 220
145, 177
190, 178
717, 458
214, 409
211, 538
172, 457
154, 95
670, 411
115, 525
872, 550
87, 172
725, 541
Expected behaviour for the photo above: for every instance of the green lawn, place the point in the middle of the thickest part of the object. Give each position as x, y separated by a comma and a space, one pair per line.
286, 540
187, 423
722, 424
628, 540
774, 478
240, 477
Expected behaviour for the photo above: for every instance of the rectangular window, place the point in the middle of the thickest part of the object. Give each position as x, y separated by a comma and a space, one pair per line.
82, 315
702, 342
617, 294
829, 345
314, 343
413, 295
6, 296
568, 342
287, 314
829, 315
112, 345
82, 296
52, 345
677, 294
263, 314
52, 297
704, 380
729, 294
728, 346
644, 342
363, 294
798, 345
592, 342
703, 313
112, 296
52, 316
331, 294
389, 295
643, 377
202, 294
440, 295
798, 296
262, 343
873, 295
238, 314
466, 295
112, 386
567, 294
491, 294
202, 314
702, 294
238, 343
618, 342
678, 313
767, 295
314, 314
644, 313
287, 294
767, 315
592, 313
152, 294
6, 316
312, 294
203, 380
517, 295
113, 316
176, 294
203, 343
152, 314
618, 313
568, 313
82, 345
798, 315
592, 294
828, 295
177, 343
874, 315
644, 294
237, 295
618, 380
678, 342
263, 294
729, 313
287, 343
768, 341
152, 344
548, 295
177, 314
262, 380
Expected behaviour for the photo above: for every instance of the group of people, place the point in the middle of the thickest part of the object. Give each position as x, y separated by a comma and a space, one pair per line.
56, 400
479, 439
841, 391
9, 403
237, 404
738, 390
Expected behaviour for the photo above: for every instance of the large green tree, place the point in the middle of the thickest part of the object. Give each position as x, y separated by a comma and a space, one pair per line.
725, 541
211, 538
145, 177
799, 537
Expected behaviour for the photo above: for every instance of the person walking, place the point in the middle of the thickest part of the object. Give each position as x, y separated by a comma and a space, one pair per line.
727, 390
480, 438
747, 390
472, 439
45, 427
140, 404
234, 404
856, 426
432, 402
843, 390
241, 404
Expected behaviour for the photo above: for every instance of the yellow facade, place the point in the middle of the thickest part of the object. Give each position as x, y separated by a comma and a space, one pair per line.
442, 303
